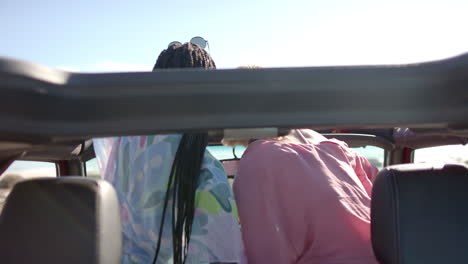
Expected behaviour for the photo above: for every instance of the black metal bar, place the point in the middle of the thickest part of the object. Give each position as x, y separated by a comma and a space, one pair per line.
44, 102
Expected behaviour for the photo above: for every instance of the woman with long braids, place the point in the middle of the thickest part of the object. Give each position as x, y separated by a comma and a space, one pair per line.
176, 202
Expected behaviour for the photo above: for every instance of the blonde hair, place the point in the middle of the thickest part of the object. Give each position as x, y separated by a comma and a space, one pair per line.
233, 143
250, 66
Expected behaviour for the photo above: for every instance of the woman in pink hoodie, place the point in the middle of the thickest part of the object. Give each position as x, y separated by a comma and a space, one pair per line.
305, 199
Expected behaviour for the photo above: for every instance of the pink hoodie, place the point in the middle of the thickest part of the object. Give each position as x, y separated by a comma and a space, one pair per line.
305, 203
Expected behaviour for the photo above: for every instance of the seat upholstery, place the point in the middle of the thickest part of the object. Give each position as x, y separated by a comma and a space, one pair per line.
231, 167
61, 220
420, 214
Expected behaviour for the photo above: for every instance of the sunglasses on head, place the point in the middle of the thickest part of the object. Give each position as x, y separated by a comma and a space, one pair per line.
195, 40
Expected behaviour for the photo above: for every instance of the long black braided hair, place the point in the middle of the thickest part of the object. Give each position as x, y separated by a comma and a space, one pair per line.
188, 159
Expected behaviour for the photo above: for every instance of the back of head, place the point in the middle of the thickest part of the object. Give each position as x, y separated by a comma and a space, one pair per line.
250, 66
189, 156
186, 55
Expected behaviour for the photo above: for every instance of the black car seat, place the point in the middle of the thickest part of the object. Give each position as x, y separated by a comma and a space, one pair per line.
420, 214
61, 220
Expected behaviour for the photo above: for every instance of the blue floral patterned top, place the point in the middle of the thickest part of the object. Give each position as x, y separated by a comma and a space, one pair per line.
138, 167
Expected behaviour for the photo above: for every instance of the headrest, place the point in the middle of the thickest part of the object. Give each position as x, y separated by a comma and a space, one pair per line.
61, 220
420, 214
231, 167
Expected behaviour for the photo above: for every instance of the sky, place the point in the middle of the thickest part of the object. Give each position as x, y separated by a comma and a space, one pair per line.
96, 36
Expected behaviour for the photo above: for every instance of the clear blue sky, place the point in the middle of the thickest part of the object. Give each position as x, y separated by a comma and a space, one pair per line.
118, 35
